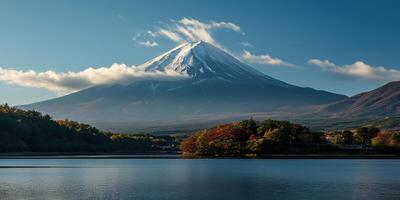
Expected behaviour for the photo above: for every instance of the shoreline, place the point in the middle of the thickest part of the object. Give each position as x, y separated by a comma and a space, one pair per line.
177, 155
90, 155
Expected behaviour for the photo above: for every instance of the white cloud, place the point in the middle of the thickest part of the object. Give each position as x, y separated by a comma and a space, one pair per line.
66, 82
226, 25
325, 64
192, 30
196, 23
148, 43
170, 35
359, 70
151, 33
264, 59
246, 44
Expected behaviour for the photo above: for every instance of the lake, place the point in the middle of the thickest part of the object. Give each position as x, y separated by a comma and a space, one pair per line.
199, 179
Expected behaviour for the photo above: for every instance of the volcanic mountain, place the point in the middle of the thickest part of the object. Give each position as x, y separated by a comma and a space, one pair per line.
211, 82
383, 101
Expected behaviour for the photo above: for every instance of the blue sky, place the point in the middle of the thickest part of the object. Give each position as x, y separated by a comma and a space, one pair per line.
345, 47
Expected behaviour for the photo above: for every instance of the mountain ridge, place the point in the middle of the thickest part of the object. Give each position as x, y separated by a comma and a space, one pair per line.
382, 101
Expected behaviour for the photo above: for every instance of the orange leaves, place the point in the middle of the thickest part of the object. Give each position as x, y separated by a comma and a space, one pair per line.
225, 139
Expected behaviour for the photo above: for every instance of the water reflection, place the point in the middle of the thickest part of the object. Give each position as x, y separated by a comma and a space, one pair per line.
198, 179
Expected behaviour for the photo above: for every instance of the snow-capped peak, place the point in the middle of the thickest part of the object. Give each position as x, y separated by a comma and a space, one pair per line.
203, 60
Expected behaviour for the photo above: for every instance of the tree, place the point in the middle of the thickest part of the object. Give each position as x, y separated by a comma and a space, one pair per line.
381, 139
373, 131
395, 139
337, 138
276, 135
250, 126
347, 137
318, 137
365, 134
256, 146
189, 144
227, 139
343, 137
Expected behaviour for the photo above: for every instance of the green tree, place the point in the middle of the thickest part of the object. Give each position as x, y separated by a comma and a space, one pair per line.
347, 137
365, 134
318, 137
344, 137
250, 126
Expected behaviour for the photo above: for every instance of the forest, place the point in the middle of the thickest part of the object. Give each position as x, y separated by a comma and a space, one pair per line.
269, 137
31, 131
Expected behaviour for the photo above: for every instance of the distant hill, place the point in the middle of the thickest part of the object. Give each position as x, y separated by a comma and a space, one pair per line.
213, 86
381, 102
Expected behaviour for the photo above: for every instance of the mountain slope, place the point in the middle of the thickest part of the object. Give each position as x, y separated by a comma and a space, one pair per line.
383, 101
211, 82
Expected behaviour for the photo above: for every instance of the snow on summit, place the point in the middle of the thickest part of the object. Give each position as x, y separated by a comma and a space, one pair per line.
203, 60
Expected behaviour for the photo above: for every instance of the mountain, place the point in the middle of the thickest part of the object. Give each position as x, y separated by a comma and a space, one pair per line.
383, 101
212, 85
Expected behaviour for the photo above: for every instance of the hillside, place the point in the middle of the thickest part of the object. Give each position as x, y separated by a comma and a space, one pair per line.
383, 101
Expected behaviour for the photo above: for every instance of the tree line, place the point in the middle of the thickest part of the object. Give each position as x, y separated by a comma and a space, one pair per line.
31, 131
250, 137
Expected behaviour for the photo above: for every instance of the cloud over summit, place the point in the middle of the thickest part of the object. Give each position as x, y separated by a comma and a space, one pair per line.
192, 30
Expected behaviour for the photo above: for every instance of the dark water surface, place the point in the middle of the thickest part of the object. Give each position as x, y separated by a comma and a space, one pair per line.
198, 179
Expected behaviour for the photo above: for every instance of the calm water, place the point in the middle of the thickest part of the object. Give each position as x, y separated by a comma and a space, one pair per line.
198, 179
